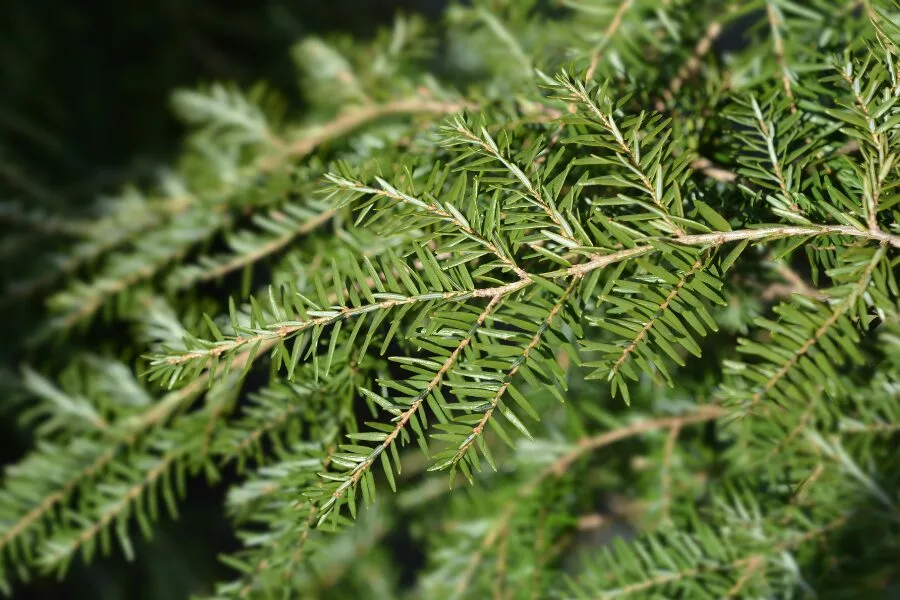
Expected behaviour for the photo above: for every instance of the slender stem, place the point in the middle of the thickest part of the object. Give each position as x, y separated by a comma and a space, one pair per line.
741, 563
817, 335
563, 463
350, 120
410, 413
775, 23
658, 314
724, 237
478, 429
611, 30
597, 261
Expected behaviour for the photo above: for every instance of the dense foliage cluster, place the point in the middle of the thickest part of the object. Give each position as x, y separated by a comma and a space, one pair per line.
630, 292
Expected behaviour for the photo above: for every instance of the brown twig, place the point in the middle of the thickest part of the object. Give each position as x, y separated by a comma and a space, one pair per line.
706, 166
775, 22
668, 452
562, 464
596, 261
352, 119
607, 36
795, 285
692, 65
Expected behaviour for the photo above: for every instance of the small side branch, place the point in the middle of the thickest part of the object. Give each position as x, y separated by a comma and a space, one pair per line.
353, 119
610, 32
818, 334
668, 453
363, 467
478, 429
775, 23
563, 463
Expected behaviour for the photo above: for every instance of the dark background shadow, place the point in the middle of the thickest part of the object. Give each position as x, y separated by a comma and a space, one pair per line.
84, 100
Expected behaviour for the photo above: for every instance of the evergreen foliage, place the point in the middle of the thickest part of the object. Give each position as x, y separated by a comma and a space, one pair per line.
631, 294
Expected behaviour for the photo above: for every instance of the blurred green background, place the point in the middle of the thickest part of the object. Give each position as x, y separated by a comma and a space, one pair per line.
84, 89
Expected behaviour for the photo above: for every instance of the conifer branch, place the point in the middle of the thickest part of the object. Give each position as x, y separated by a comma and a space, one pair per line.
340, 127
489, 146
628, 155
820, 331
352, 119
744, 562
403, 418
854, 86
329, 317
663, 307
561, 465
775, 23
334, 316
535, 340
768, 134
55, 554
552, 225
611, 30
720, 238
431, 208
873, 190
